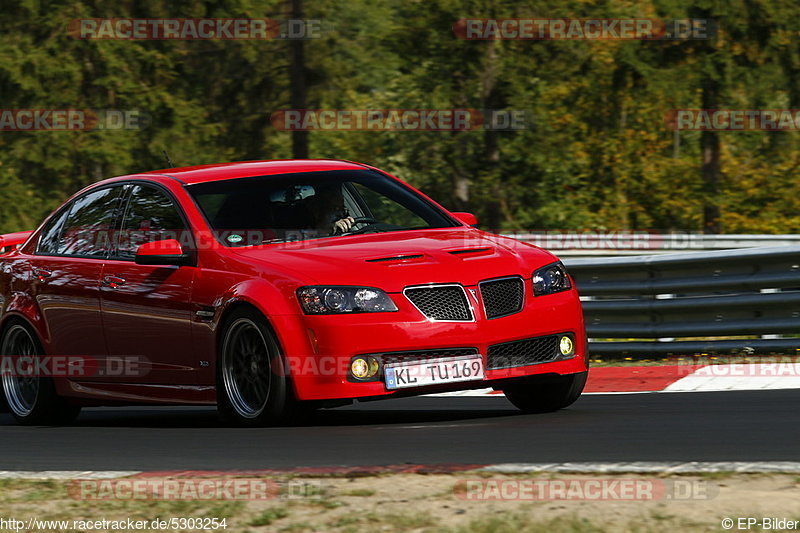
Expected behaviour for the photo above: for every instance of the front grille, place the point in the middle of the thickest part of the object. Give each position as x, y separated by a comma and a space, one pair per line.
423, 355
441, 302
502, 297
524, 352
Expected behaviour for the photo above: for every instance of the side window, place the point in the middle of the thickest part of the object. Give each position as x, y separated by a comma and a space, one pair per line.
48, 242
151, 215
387, 210
87, 228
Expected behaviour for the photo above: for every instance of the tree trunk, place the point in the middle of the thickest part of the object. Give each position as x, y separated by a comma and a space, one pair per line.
490, 100
460, 178
297, 82
709, 146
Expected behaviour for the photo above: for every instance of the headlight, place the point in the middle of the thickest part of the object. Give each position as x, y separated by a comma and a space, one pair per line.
550, 279
335, 299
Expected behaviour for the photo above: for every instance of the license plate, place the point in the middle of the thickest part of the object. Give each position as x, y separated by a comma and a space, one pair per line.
434, 372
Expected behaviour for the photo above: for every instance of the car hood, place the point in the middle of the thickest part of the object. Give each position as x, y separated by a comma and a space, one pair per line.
392, 261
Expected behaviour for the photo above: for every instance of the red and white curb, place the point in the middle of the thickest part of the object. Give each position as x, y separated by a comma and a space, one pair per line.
66, 474
680, 378
759, 376
650, 467
638, 467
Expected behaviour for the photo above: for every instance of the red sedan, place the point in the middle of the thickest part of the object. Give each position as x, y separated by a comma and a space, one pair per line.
273, 287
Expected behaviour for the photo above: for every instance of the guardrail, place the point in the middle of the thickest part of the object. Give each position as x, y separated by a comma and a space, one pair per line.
748, 300
617, 243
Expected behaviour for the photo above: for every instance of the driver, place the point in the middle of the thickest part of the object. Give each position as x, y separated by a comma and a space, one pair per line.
328, 210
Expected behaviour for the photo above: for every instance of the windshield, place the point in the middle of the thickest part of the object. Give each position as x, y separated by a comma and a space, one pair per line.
312, 205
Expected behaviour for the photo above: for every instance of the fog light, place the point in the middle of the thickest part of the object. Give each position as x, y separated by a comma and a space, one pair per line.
566, 345
359, 368
373, 367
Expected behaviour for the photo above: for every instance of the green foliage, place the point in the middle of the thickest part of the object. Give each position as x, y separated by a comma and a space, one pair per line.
597, 153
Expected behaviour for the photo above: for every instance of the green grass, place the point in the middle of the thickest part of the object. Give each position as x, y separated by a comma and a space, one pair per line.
31, 490
517, 523
365, 493
299, 527
327, 504
346, 521
267, 517
400, 522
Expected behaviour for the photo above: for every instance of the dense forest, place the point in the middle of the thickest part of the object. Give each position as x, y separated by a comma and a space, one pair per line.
596, 152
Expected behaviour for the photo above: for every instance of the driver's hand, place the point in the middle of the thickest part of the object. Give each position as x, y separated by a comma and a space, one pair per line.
343, 225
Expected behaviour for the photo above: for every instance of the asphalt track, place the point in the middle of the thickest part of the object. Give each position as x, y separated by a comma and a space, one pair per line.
707, 426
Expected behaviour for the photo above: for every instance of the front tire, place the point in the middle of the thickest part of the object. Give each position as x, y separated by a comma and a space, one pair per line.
252, 388
545, 395
31, 400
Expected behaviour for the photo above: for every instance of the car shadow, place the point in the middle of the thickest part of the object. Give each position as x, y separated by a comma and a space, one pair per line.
365, 414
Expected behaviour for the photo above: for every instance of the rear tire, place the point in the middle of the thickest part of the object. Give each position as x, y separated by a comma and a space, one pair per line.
252, 387
31, 400
545, 395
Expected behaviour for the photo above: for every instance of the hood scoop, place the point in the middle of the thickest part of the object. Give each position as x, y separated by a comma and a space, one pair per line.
403, 258
471, 252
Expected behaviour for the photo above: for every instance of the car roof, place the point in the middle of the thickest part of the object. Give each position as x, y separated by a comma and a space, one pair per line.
246, 169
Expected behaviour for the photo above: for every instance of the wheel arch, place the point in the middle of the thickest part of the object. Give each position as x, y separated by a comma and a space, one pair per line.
240, 303
16, 316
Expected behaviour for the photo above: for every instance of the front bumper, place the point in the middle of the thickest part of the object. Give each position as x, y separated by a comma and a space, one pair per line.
318, 349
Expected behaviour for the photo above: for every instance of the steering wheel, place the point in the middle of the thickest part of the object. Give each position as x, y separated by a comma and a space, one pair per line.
367, 221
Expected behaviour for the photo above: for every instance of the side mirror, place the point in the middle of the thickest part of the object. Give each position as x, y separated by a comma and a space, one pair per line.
13, 240
168, 252
467, 218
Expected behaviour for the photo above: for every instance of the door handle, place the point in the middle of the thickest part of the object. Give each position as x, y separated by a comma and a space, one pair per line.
42, 273
113, 281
